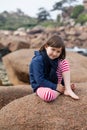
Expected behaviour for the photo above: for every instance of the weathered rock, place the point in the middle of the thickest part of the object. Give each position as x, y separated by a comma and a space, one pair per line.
31, 113
8, 94
35, 30
37, 41
17, 66
5, 32
15, 42
16, 45
83, 36
20, 33
78, 67
1, 45
77, 31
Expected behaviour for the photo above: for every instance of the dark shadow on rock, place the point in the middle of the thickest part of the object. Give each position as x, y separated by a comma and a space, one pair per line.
4, 51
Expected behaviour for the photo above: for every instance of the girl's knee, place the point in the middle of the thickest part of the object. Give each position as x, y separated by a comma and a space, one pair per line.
47, 94
50, 95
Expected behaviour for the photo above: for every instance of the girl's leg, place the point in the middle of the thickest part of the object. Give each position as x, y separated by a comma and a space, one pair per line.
72, 85
47, 94
68, 90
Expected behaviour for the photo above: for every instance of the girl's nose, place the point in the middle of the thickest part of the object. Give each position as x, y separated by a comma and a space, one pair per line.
55, 54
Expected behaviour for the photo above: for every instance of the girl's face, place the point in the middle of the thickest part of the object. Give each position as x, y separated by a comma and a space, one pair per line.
53, 52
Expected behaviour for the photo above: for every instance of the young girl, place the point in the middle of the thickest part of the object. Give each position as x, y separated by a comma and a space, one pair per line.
50, 72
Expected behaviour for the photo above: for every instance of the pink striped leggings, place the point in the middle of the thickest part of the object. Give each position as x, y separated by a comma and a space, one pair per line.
47, 94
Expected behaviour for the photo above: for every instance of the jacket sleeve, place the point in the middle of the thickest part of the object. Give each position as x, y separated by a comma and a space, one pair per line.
38, 71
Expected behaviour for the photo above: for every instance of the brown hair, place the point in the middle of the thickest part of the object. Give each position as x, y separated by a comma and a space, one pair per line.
57, 42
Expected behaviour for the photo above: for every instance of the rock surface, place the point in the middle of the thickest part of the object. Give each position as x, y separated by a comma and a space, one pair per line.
35, 37
31, 113
8, 94
17, 66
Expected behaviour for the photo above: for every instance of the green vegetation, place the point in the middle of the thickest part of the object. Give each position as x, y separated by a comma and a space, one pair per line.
43, 15
79, 14
12, 21
60, 5
15, 20
48, 23
77, 11
82, 19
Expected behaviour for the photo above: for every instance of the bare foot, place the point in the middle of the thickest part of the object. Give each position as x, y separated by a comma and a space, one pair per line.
61, 88
71, 94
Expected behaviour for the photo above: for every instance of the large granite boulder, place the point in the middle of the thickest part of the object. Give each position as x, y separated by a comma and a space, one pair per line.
8, 94
78, 67
31, 113
17, 66
16, 45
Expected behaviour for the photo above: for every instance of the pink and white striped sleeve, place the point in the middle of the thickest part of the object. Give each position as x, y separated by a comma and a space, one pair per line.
63, 66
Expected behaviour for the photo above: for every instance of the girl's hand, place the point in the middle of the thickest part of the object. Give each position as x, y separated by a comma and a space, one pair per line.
60, 88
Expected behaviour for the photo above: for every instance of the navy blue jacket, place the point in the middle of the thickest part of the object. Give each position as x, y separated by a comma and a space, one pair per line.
43, 71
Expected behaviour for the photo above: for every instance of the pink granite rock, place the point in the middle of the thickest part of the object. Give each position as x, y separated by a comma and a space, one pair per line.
31, 113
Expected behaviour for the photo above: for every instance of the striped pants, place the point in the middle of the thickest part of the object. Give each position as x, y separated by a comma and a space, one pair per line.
47, 94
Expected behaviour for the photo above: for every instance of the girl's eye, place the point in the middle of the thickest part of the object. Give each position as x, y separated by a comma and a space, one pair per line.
58, 51
53, 49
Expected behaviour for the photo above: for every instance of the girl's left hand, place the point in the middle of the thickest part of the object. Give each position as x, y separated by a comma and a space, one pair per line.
60, 88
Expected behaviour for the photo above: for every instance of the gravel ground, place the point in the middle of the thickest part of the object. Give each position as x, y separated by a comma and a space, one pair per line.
3, 75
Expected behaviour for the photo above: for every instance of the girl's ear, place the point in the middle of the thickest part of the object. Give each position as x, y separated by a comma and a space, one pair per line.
46, 46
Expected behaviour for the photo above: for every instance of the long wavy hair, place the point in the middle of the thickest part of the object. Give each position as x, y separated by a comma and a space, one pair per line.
57, 42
